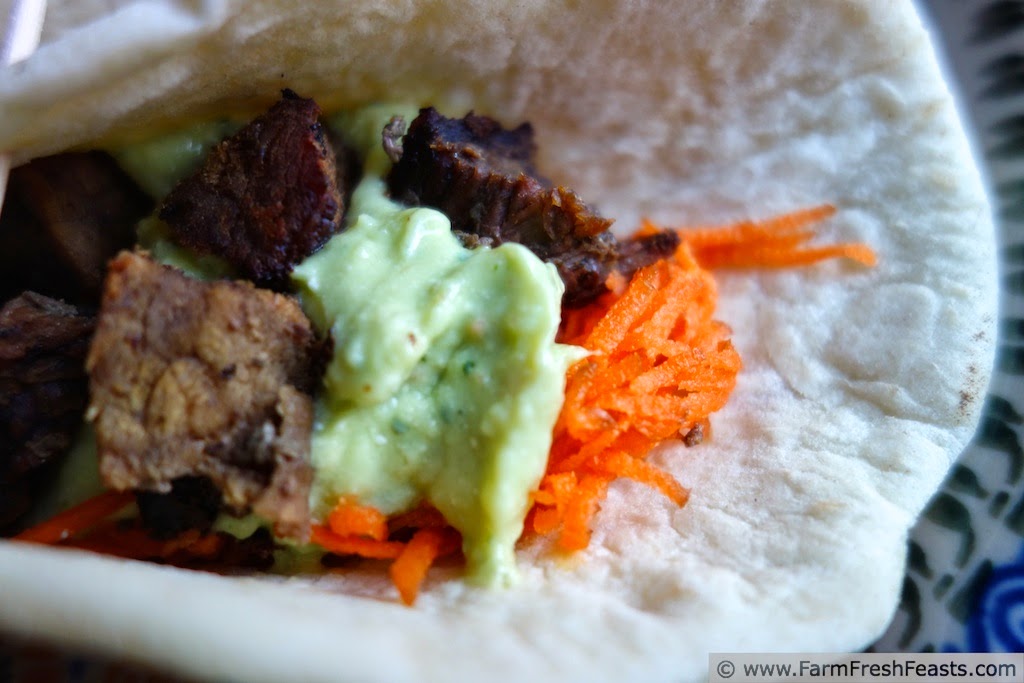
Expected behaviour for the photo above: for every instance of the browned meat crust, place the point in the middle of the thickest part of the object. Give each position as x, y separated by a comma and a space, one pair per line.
189, 378
254, 552
43, 392
192, 503
348, 164
265, 198
215, 551
483, 178
637, 252
64, 217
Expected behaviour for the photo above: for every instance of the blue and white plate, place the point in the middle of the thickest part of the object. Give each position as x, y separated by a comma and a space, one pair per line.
964, 588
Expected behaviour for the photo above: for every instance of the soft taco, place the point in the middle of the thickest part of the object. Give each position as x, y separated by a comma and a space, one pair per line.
859, 386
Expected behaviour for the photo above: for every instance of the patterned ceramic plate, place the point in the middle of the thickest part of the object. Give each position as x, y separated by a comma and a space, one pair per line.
964, 589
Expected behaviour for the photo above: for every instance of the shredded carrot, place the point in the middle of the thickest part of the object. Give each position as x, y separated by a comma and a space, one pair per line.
432, 537
128, 542
774, 243
408, 571
88, 526
131, 541
660, 364
77, 519
349, 518
579, 508
205, 546
355, 545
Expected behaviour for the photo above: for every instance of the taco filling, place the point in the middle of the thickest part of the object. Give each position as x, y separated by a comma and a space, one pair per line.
338, 337
859, 386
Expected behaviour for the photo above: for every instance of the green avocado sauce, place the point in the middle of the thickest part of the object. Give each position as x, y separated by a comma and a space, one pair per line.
77, 480
159, 163
445, 379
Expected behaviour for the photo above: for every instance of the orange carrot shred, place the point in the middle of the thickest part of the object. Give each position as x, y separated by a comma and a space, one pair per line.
110, 538
660, 364
77, 519
626, 397
206, 546
622, 465
349, 518
355, 545
543, 520
408, 571
580, 509
91, 526
775, 243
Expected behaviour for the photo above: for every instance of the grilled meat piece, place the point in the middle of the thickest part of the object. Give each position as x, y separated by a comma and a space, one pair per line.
64, 217
348, 165
265, 198
196, 379
254, 552
230, 555
192, 503
43, 392
215, 551
638, 252
483, 178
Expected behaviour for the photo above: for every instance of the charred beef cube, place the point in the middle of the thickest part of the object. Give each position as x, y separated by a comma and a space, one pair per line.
64, 217
348, 168
196, 379
192, 503
232, 555
254, 552
638, 252
43, 392
483, 178
265, 198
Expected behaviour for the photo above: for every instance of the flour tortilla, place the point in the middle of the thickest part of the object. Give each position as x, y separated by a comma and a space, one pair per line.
860, 386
